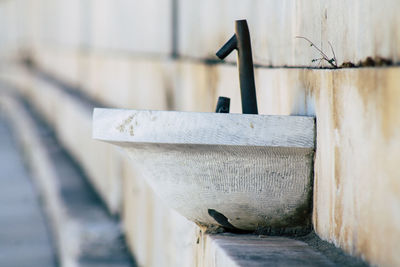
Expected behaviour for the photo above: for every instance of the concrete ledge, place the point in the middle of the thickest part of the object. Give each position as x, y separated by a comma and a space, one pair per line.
250, 250
72, 123
83, 231
64, 228
21, 245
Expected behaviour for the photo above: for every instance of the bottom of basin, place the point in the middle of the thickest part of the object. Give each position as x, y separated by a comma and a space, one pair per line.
240, 188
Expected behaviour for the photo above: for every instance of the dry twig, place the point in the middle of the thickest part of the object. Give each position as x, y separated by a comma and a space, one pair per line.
331, 61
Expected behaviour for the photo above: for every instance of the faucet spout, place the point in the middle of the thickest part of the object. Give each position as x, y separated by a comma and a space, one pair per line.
227, 48
241, 42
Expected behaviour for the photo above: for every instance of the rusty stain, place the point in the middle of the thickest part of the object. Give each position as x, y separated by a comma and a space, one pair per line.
376, 61
251, 125
368, 62
150, 221
337, 168
346, 234
389, 106
363, 244
315, 221
311, 81
348, 64
338, 209
212, 78
169, 92
367, 85
379, 92
338, 218
337, 82
352, 225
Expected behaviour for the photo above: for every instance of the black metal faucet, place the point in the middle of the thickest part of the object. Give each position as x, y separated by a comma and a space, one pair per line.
241, 42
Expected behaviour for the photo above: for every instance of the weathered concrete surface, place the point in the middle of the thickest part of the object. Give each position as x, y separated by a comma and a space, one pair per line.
356, 200
149, 75
164, 85
133, 26
83, 231
358, 106
120, 25
9, 21
67, 64
250, 250
356, 30
354, 106
72, 123
157, 235
24, 233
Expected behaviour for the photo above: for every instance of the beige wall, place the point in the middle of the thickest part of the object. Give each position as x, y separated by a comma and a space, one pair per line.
118, 53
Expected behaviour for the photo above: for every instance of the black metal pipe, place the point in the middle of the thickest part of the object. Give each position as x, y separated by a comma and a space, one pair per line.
223, 105
241, 42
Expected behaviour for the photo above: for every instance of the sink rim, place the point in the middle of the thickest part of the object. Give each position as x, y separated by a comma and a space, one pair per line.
202, 128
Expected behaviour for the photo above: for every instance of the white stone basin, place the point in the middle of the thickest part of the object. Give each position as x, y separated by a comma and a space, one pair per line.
246, 172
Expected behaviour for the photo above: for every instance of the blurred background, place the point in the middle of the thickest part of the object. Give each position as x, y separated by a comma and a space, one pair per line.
81, 202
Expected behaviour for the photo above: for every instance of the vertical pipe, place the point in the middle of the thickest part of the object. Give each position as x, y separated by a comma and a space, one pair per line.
246, 69
175, 29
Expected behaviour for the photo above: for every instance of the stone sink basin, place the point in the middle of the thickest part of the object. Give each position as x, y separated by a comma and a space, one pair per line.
241, 172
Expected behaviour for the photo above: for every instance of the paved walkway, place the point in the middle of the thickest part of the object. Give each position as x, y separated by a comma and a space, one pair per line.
24, 235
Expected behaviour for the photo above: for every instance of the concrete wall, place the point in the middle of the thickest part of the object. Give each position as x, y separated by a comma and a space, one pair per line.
119, 54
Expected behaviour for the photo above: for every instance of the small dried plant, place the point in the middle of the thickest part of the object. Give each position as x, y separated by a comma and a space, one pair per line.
332, 61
